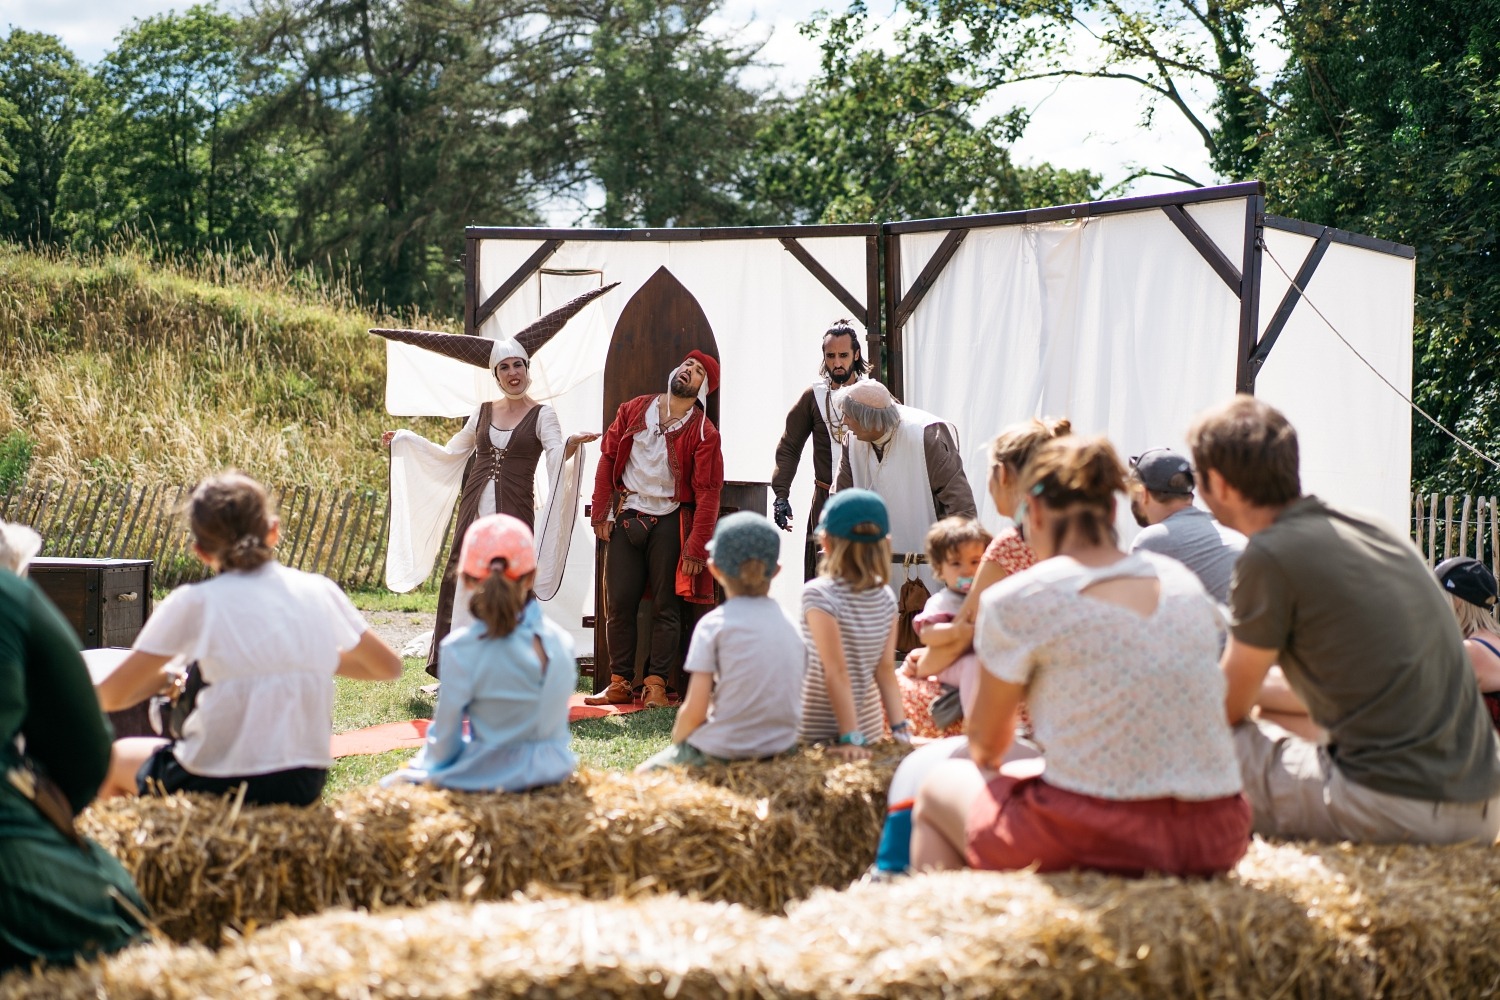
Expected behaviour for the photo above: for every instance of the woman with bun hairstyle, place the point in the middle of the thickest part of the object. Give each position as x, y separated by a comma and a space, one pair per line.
1116, 655
267, 640
501, 722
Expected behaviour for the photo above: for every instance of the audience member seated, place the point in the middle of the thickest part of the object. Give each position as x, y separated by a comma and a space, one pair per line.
1471, 586
849, 629
501, 722
1115, 655
1346, 607
18, 546
1007, 552
955, 548
61, 896
266, 641
746, 661
1161, 500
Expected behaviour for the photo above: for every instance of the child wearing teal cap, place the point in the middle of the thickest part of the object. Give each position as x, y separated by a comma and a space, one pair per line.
745, 662
849, 626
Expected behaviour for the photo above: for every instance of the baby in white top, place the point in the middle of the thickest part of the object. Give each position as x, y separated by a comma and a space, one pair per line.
955, 548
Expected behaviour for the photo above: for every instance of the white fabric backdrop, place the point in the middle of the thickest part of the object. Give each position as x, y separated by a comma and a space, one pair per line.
1353, 431
767, 312
1118, 323
1115, 322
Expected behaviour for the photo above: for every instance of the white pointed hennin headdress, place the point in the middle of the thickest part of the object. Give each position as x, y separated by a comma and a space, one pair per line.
484, 352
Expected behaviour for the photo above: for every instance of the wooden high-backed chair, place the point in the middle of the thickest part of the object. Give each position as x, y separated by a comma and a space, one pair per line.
660, 324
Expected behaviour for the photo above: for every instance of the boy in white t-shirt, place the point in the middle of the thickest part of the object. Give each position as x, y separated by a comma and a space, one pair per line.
746, 660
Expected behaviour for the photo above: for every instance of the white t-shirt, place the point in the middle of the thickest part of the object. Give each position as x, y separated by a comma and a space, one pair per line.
648, 471
267, 642
757, 660
1125, 706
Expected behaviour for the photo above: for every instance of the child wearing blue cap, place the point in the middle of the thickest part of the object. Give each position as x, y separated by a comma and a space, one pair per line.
745, 662
849, 626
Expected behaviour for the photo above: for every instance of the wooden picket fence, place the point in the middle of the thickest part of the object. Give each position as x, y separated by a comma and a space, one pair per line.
340, 534
1446, 526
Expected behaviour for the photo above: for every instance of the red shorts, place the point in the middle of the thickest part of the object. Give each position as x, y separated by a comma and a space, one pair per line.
1019, 822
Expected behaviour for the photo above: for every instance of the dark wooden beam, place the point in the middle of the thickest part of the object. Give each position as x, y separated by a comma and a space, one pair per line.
1341, 236
873, 341
471, 282
1204, 244
918, 291
1255, 212
892, 333
828, 281
1289, 301
1085, 210
507, 288
672, 235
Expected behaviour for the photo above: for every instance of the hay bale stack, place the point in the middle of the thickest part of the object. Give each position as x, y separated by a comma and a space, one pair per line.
1294, 922
759, 834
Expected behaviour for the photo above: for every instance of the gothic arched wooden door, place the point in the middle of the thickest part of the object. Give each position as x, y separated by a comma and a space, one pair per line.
660, 324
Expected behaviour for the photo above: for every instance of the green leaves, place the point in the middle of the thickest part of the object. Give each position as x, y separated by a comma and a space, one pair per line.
168, 149
1390, 126
882, 135
41, 84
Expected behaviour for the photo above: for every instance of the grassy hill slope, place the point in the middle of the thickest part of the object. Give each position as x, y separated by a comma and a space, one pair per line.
113, 366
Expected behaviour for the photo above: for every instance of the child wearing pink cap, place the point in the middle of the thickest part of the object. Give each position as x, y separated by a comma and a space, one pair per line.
508, 676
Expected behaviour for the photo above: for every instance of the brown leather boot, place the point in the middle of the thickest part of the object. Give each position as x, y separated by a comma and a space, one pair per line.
618, 693
656, 693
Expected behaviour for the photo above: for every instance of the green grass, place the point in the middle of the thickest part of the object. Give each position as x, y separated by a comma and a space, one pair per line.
421, 600
620, 742
363, 769
357, 704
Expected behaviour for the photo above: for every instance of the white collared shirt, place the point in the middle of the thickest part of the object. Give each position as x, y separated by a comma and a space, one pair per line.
648, 472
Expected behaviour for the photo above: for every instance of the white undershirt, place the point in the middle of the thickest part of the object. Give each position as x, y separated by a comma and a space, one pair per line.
648, 474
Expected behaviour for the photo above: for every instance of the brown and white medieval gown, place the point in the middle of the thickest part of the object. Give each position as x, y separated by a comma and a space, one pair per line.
491, 471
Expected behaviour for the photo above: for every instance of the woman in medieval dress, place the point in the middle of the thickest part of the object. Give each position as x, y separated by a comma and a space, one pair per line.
490, 464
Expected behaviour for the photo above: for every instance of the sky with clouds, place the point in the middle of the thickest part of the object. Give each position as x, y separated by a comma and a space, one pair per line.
1092, 124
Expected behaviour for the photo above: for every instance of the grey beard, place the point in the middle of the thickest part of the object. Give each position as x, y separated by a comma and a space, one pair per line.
683, 390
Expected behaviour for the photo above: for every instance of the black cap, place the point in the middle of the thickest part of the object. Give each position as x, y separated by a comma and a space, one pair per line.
1156, 468
1468, 580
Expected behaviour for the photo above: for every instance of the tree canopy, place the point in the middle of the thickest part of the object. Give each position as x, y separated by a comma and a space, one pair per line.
361, 136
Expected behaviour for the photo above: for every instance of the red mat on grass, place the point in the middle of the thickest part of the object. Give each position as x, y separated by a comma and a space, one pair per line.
410, 735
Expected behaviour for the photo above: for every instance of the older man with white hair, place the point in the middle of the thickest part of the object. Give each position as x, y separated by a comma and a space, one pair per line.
906, 455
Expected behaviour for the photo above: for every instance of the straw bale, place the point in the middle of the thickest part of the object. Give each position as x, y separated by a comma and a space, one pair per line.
1293, 921
760, 834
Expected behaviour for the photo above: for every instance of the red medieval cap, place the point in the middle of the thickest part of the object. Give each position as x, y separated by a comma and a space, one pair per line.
710, 365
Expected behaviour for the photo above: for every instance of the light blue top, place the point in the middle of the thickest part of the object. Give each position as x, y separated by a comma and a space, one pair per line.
517, 713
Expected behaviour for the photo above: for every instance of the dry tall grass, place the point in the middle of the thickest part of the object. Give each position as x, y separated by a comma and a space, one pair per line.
118, 366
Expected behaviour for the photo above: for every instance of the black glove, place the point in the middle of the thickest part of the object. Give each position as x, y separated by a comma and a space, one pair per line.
782, 510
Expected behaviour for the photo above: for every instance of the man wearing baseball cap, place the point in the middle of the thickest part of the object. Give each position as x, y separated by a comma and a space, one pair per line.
656, 498
1474, 593
1161, 499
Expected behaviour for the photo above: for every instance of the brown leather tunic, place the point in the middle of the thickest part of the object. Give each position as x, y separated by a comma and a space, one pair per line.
511, 473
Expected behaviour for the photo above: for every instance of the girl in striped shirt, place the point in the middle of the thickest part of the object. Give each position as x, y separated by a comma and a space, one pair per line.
849, 626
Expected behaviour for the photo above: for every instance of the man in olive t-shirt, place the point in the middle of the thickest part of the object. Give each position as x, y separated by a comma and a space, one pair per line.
1365, 639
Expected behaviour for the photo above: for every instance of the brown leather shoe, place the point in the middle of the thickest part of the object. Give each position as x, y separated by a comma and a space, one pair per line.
656, 693
618, 693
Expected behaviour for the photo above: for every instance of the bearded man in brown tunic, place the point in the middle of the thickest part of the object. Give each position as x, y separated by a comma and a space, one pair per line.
814, 415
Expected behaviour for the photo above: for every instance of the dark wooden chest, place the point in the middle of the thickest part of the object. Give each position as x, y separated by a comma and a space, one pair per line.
105, 600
